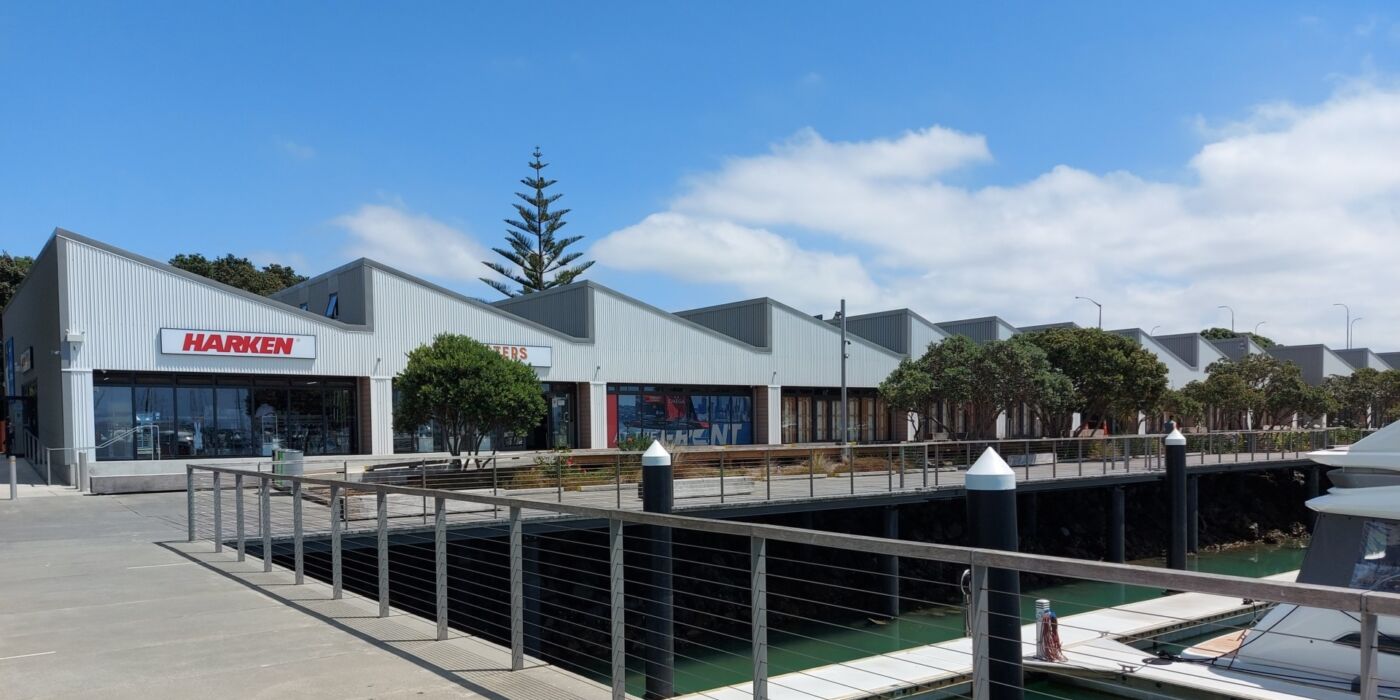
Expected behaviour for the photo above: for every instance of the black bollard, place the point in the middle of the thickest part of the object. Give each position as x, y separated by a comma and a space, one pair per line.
1176, 501
657, 497
1193, 514
1117, 525
991, 518
1312, 481
889, 566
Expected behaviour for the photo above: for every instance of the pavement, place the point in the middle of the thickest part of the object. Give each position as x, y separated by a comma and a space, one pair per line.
103, 598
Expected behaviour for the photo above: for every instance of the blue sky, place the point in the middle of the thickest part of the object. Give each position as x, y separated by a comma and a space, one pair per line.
314, 132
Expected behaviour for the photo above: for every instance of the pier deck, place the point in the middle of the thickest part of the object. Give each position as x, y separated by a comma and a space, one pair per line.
949, 664
104, 599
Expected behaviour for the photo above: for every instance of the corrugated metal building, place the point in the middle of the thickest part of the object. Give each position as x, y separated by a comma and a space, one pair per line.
1363, 357
1317, 362
144, 366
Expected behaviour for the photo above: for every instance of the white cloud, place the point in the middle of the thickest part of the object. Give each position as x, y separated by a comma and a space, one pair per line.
415, 243
701, 250
1292, 209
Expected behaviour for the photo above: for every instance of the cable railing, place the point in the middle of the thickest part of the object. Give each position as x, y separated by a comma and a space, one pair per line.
749, 474
735, 609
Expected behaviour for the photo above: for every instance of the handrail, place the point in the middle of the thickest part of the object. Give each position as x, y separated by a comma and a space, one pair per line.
1311, 595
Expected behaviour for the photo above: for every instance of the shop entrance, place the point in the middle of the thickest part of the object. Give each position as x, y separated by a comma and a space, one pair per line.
19, 417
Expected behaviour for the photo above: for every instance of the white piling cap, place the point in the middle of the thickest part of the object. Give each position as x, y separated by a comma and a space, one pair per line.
1176, 438
990, 473
656, 456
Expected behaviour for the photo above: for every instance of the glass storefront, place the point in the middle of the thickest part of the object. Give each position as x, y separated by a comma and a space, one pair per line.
681, 415
815, 415
168, 416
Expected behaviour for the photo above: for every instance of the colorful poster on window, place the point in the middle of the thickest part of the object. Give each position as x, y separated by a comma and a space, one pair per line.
681, 419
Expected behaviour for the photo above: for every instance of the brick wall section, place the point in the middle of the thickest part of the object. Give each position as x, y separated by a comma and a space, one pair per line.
584, 400
364, 422
760, 415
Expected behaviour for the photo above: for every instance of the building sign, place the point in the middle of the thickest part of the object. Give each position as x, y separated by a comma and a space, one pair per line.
533, 355
178, 341
26, 360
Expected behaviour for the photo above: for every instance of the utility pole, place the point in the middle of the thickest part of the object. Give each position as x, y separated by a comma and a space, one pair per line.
1351, 330
1095, 303
1348, 308
845, 408
1232, 316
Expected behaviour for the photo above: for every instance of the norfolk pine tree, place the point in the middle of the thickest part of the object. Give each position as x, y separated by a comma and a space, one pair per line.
535, 253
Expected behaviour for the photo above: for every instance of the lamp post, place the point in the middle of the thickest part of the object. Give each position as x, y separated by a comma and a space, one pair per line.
1348, 308
1351, 332
1232, 316
845, 355
1154, 330
1257, 325
1095, 303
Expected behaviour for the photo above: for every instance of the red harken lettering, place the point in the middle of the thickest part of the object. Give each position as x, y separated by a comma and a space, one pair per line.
229, 343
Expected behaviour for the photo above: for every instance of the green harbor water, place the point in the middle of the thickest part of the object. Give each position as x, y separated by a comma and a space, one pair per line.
844, 639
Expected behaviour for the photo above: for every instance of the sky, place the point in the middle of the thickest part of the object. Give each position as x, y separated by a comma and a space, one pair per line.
1163, 159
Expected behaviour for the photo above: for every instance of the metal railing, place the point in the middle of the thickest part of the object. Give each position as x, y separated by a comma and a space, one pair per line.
576, 585
742, 474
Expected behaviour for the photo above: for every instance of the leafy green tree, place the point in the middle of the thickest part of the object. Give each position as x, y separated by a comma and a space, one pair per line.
1271, 389
13, 270
1366, 397
535, 252
910, 389
1185, 405
239, 272
1217, 333
467, 390
1112, 375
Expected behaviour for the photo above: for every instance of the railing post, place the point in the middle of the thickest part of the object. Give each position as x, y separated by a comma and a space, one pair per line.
218, 514
925, 470
721, 477
768, 474
1079, 442
298, 550
981, 659
1368, 681
336, 573
617, 477
758, 613
440, 540
558, 481
517, 591
889, 469
189, 498
381, 503
239, 524
937, 463
265, 510
618, 615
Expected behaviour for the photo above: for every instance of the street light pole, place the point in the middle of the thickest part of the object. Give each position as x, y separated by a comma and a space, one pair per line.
845, 408
1232, 316
1351, 334
1095, 303
1348, 308
1257, 325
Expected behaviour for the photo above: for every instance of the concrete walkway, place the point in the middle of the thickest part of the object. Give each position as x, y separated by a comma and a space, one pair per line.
100, 597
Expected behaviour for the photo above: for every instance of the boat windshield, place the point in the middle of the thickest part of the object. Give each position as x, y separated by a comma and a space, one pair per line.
1378, 566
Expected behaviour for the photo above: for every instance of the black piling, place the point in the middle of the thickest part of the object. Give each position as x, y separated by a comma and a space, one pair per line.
1117, 525
991, 518
889, 566
1176, 501
658, 497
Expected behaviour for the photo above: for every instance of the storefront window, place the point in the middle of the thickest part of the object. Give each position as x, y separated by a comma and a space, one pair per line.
112, 421
180, 415
867, 420
681, 415
804, 419
233, 434
155, 411
194, 420
789, 419
820, 432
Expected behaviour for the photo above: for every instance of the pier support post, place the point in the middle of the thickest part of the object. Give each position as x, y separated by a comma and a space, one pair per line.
1193, 514
1312, 480
1176, 501
991, 518
889, 565
1031, 513
1117, 525
658, 497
